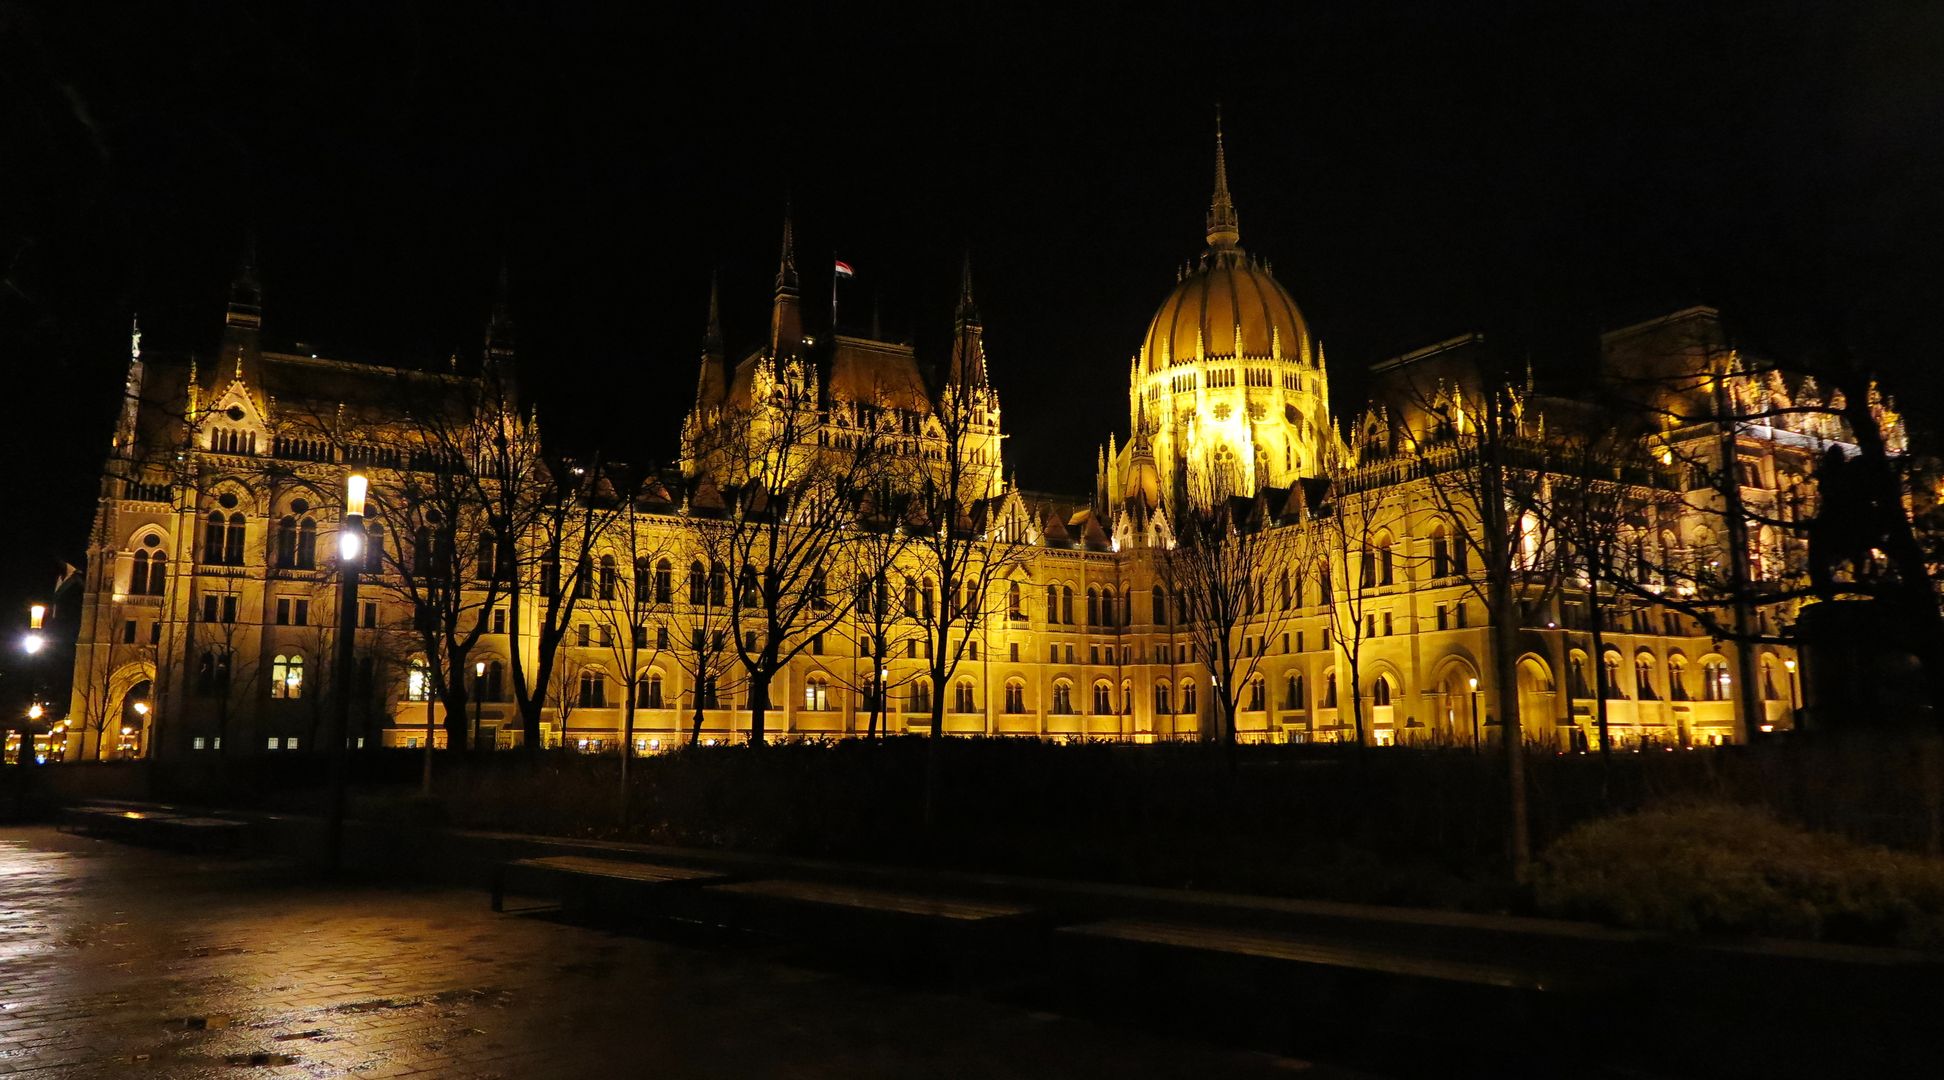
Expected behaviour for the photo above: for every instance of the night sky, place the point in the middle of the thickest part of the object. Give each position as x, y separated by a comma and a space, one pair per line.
1538, 173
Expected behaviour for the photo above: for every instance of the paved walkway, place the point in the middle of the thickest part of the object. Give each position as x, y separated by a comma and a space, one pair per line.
117, 961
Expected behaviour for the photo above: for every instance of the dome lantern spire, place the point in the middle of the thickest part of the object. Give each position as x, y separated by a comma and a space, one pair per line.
1224, 230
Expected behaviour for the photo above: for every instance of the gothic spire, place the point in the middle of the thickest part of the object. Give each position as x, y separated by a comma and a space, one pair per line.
968, 346
246, 292
786, 315
968, 310
499, 326
712, 337
1224, 230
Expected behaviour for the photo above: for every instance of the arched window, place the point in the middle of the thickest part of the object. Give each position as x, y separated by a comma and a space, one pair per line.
608, 577
1769, 692
920, 698
1329, 691
696, 595
1255, 693
307, 544
1644, 677
1109, 607
1386, 560
651, 692
816, 694
584, 578
1714, 679
1015, 697
1677, 679
718, 586
1440, 552
287, 677
1611, 664
925, 601
1066, 604
213, 533
212, 672
1163, 705
1380, 691
1367, 568
1188, 696
963, 700
1015, 603
374, 556
233, 541
910, 598
286, 554
1293, 691
495, 680
418, 680
1093, 606
593, 690
1103, 703
1160, 606
1063, 697
1460, 556
1052, 603
664, 582
488, 556
151, 568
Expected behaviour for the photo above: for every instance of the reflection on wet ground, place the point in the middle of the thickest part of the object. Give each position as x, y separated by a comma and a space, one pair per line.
118, 961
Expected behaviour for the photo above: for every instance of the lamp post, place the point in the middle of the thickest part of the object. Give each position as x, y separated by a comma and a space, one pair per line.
141, 713
1474, 711
1795, 691
479, 681
351, 541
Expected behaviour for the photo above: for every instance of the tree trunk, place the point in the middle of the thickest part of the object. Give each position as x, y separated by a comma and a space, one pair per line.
1600, 686
1505, 621
759, 684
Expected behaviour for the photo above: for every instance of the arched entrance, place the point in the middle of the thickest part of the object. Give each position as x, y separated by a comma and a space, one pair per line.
1459, 709
1536, 697
128, 737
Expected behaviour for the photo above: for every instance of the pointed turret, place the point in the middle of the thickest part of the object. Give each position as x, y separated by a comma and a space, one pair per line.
968, 366
1224, 229
125, 425
709, 387
498, 357
786, 313
243, 326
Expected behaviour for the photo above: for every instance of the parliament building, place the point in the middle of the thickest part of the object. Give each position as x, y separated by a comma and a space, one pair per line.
210, 608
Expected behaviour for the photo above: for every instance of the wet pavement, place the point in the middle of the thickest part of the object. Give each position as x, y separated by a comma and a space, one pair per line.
119, 961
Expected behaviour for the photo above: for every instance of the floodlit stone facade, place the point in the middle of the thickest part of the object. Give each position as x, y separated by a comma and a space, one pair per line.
210, 604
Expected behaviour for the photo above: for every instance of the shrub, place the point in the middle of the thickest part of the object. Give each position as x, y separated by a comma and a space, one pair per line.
1736, 870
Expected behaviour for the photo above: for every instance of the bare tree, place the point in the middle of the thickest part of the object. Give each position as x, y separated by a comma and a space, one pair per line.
1225, 560
634, 598
1354, 539
793, 486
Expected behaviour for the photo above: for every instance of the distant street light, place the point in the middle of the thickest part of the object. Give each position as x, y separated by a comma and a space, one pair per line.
1474, 711
479, 681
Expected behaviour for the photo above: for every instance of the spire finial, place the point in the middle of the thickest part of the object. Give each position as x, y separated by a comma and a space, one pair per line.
786, 270
968, 310
1224, 230
712, 337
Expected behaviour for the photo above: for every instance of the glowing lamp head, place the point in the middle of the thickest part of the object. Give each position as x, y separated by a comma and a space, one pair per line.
350, 543
1474, 685
479, 668
34, 711
141, 708
1789, 665
355, 487
33, 643
35, 615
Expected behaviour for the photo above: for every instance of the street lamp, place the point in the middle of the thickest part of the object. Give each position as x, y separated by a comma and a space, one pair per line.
479, 680
34, 641
1474, 705
1795, 688
351, 541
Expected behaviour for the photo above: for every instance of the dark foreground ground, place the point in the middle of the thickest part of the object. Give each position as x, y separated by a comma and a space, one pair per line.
119, 961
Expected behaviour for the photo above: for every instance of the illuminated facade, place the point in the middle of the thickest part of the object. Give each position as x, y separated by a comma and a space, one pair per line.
210, 585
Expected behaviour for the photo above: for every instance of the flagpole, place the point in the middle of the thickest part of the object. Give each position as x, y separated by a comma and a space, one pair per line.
834, 278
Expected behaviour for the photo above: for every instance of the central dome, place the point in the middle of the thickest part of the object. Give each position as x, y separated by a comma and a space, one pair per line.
1228, 306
